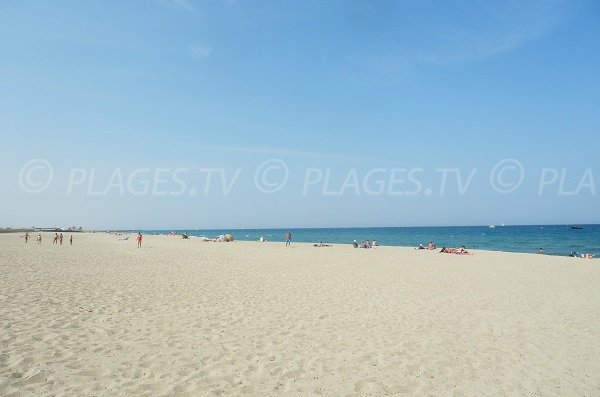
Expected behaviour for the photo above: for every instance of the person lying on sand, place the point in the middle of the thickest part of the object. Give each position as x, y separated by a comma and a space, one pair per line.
578, 255
458, 251
321, 245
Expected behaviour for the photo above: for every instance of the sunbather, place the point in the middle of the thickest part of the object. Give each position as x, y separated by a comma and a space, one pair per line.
458, 251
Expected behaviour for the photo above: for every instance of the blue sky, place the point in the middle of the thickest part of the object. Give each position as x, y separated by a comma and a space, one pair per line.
342, 87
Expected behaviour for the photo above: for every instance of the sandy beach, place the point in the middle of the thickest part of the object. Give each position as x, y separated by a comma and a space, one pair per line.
187, 318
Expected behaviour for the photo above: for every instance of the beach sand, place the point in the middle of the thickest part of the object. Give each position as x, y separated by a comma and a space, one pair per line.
188, 318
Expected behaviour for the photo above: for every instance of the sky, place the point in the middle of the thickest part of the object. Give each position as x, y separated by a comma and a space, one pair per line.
177, 114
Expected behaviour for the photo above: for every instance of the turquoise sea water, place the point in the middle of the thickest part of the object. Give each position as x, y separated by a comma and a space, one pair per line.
555, 239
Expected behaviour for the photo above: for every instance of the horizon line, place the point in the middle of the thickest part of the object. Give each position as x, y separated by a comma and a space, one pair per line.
346, 227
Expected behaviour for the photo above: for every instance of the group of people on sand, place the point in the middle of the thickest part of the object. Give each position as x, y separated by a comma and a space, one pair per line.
573, 254
445, 250
58, 238
430, 246
365, 244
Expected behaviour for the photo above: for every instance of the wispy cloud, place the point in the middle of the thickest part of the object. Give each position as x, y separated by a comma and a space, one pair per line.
498, 28
183, 4
506, 28
232, 3
199, 51
272, 151
191, 5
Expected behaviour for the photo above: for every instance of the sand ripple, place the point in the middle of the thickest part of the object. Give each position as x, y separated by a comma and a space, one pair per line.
185, 318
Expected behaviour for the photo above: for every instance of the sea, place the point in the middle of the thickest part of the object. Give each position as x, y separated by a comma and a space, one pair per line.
554, 239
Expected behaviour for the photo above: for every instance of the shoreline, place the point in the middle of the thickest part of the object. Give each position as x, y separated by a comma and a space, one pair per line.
299, 243
469, 248
556, 240
560, 240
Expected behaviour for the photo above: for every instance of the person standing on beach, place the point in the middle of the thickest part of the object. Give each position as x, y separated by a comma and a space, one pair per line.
139, 240
288, 238
39, 239
60, 238
26, 236
55, 241
71, 240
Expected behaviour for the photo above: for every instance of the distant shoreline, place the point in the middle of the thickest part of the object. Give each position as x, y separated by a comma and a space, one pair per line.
42, 230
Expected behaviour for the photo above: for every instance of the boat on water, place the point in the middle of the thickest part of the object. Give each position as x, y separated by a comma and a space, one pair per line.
577, 227
492, 226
